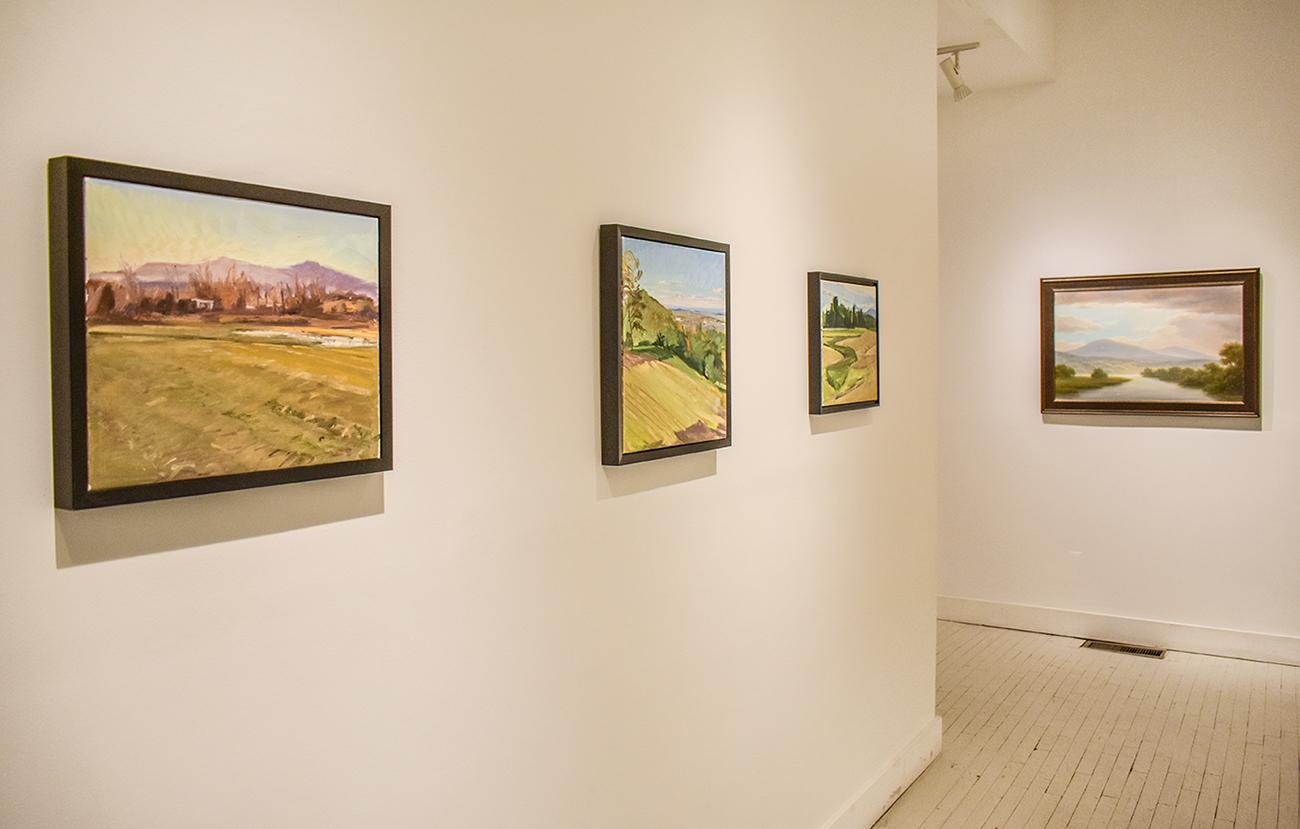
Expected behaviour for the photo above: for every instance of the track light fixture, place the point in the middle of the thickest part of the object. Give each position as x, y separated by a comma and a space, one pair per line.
951, 66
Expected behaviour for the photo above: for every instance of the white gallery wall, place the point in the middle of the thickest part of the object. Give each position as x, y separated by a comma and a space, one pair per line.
1167, 141
501, 633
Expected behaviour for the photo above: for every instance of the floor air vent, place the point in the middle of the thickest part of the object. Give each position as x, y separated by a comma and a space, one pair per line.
1120, 647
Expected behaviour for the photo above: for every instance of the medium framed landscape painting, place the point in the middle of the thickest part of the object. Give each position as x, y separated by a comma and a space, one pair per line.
665, 345
209, 335
843, 347
1156, 343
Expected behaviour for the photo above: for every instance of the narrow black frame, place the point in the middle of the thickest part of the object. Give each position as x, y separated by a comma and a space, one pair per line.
611, 354
1247, 278
815, 405
68, 333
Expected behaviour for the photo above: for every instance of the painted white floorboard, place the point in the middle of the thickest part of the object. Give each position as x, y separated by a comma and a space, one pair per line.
1241, 644
1040, 733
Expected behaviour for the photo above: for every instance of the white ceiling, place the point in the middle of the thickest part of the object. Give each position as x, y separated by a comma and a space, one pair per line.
1002, 60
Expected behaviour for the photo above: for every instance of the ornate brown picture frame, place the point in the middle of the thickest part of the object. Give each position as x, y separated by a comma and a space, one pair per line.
1179, 343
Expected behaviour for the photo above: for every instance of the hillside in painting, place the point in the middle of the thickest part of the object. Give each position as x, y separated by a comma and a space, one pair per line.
667, 403
674, 370
849, 366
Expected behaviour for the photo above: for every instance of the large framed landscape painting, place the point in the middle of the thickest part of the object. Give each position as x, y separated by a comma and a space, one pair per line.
1156, 343
665, 343
843, 346
210, 335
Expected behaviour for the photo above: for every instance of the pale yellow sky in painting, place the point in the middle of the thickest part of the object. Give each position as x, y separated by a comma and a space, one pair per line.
137, 223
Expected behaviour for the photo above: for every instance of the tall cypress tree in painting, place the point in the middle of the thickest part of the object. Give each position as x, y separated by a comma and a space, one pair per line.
839, 315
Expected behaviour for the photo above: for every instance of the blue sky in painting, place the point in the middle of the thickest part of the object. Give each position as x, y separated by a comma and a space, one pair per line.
681, 277
139, 223
863, 296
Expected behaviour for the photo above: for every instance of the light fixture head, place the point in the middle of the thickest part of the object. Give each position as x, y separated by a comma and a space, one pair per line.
960, 91
951, 66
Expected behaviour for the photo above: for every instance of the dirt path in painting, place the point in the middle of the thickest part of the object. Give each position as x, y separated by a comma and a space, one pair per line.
858, 357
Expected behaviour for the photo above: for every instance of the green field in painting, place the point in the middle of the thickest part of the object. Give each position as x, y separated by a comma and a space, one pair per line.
1074, 385
849, 366
168, 402
667, 403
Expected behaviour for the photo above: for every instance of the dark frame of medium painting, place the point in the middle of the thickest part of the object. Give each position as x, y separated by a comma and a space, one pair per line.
668, 350
865, 393
1180, 343
327, 333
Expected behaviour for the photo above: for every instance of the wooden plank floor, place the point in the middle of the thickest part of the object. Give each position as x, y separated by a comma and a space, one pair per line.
1039, 733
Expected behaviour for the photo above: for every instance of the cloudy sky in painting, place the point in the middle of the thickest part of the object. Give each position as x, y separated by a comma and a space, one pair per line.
863, 296
681, 277
137, 223
1201, 318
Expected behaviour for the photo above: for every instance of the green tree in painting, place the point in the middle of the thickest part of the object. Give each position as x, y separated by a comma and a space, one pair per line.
1225, 379
1063, 371
839, 315
1099, 374
1230, 381
704, 351
633, 298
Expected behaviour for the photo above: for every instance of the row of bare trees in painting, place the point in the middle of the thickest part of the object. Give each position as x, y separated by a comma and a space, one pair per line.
200, 292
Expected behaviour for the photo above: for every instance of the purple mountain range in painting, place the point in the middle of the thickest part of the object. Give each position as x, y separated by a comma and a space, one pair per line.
1113, 349
175, 276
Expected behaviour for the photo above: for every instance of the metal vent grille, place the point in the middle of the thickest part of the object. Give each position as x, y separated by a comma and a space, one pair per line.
1120, 647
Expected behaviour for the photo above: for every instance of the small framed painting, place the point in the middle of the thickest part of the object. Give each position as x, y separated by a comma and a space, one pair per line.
1152, 343
209, 335
843, 343
665, 345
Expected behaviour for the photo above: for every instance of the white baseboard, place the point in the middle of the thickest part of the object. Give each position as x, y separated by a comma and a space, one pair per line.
1240, 644
878, 795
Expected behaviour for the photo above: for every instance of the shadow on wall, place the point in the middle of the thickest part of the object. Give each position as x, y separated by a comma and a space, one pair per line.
1236, 424
840, 421
616, 481
109, 533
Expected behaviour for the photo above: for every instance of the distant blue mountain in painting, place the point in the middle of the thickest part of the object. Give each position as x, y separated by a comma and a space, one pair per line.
1115, 350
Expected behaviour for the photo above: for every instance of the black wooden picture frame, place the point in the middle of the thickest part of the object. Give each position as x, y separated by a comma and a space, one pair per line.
612, 240
1248, 279
68, 330
816, 404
